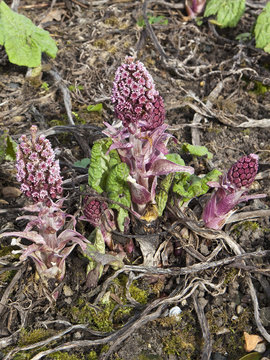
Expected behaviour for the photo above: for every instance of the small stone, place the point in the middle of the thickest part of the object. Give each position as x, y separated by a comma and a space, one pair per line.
265, 315
239, 309
77, 335
204, 249
67, 291
260, 348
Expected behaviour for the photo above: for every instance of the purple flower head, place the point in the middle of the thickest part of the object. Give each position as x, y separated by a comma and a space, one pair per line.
93, 210
136, 101
37, 170
230, 191
98, 214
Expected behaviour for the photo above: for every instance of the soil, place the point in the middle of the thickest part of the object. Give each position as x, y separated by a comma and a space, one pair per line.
216, 91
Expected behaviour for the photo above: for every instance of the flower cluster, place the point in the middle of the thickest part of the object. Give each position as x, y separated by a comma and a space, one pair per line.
136, 101
37, 170
230, 191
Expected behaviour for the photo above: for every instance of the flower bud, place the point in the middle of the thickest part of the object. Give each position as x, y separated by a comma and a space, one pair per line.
243, 172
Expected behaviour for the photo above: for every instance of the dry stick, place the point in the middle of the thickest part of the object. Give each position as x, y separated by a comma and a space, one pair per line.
207, 348
197, 117
9, 289
151, 32
242, 216
66, 94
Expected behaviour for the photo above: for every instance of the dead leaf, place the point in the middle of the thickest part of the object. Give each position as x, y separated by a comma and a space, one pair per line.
11, 192
251, 341
53, 15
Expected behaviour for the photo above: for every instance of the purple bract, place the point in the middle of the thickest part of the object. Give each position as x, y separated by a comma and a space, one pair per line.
37, 170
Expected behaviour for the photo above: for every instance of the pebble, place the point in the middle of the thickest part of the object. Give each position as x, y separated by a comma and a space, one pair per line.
239, 309
260, 348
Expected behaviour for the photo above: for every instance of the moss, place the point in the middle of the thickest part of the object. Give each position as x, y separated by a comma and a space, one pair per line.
98, 319
177, 344
230, 276
33, 336
100, 43
6, 250
259, 88
112, 21
92, 356
138, 294
59, 355
6, 276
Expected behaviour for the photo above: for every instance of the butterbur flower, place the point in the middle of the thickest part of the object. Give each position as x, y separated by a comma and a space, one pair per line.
136, 101
230, 191
37, 170
51, 244
98, 214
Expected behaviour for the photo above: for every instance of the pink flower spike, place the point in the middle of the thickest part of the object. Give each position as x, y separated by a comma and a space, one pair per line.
230, 191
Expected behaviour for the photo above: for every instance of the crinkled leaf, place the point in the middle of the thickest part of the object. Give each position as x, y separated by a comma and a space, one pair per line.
23, 41
118, 190
228, 12
100, 164
191, 186
197, 150
162, 196
262, 29
98, 245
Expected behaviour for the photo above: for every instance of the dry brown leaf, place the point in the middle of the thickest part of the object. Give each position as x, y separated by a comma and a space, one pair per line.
53, 15
11, 192
251, 341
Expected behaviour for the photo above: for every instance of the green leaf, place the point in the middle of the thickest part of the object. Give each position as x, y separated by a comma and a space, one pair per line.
176, 158
197, 150
228, 12
23, 41
162, 197
97, 107
82, 163
8, 148
262, 29
11, 149
100, 164
118, 190
191, 186
252, 356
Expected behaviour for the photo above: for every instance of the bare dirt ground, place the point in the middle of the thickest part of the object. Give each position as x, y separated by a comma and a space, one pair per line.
216, 91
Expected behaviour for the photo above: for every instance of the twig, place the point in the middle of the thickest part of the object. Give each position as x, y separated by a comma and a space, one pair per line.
66, 94
151, 32
207, 348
